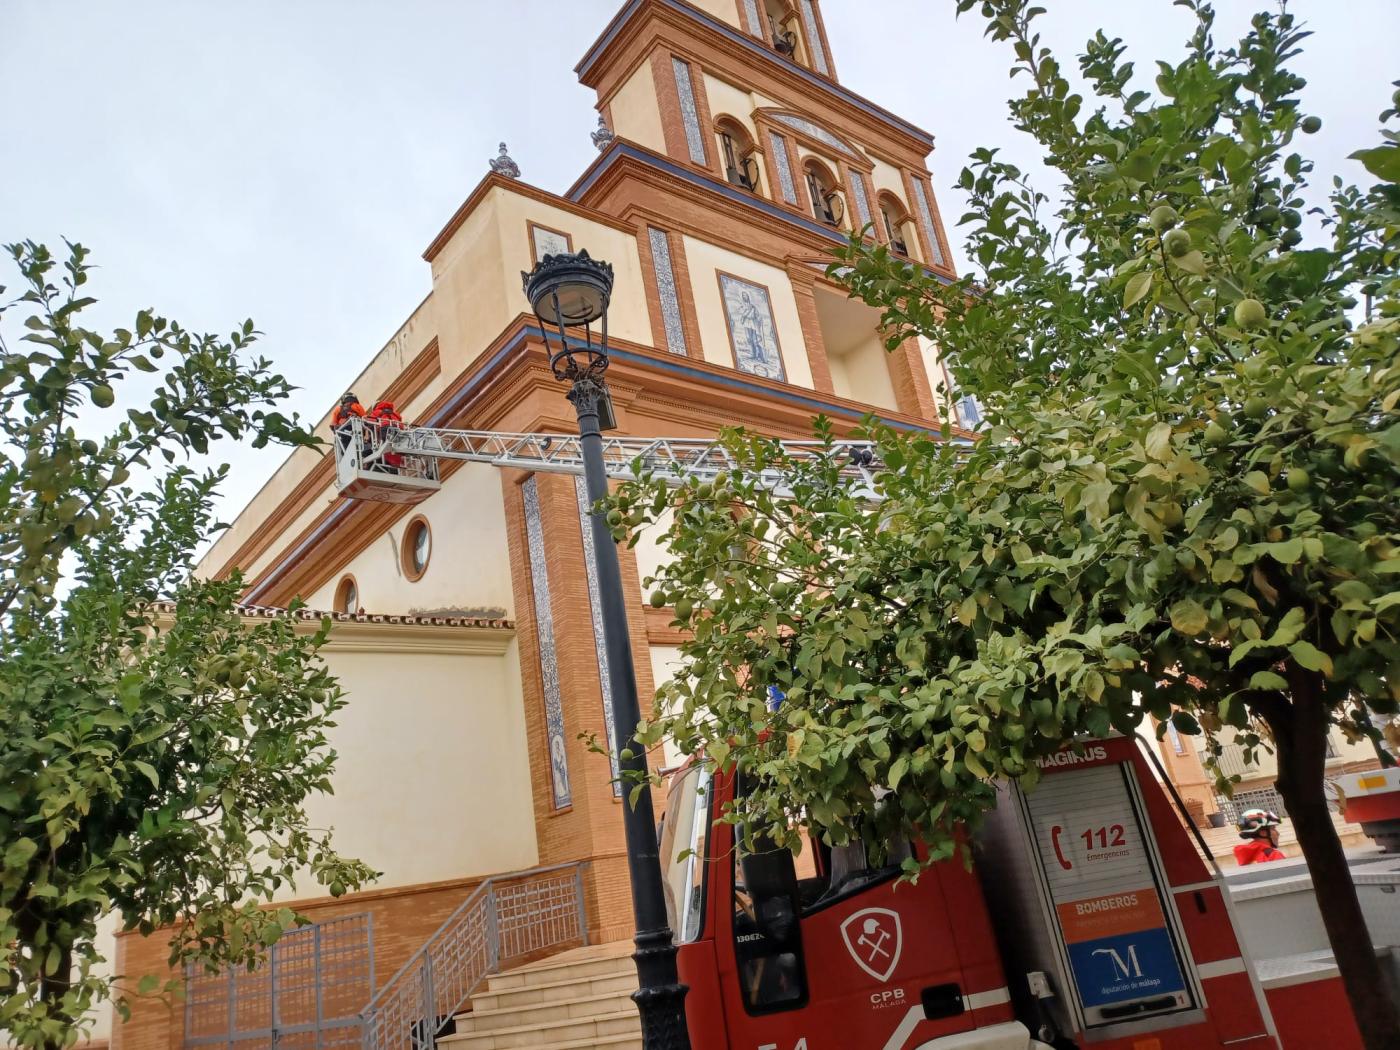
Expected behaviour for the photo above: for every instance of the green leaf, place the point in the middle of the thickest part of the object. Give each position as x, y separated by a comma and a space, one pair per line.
1192, 262
1159, 442
898, 768
1311, 657
148, 771
1382, 161
1189, 617
1138, 286
19, 853
1267, 680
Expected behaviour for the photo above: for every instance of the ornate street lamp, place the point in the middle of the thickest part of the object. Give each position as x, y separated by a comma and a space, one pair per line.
573, 291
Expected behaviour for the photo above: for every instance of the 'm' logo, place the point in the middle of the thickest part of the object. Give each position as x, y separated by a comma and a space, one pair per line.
1122, 970
874, 939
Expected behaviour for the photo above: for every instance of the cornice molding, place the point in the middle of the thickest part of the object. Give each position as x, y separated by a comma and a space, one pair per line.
626, 159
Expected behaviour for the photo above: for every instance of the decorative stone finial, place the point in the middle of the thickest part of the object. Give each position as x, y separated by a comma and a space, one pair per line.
603, 136
502, 164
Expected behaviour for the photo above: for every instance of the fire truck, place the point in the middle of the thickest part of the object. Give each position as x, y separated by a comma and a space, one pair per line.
1091, 917
1094, 914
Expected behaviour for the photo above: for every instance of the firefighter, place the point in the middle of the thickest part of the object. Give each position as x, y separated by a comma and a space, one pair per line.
1259, 829
340, 419
384, 415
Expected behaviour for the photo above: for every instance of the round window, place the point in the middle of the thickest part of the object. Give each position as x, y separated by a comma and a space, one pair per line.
347, 596
417, 548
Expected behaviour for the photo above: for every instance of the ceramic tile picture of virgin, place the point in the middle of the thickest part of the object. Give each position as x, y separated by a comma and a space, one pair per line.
752, 332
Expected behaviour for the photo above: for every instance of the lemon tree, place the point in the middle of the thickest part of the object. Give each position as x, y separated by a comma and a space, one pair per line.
1183, 503
156, 751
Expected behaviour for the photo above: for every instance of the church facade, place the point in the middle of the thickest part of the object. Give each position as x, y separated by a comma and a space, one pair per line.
732, 160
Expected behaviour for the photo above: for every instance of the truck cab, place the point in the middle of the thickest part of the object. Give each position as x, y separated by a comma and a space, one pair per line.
826, 950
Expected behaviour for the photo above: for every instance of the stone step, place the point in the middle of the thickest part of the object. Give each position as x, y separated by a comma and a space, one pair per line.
570, 987
550, 1035
609, 1042
553, 1009
555, 971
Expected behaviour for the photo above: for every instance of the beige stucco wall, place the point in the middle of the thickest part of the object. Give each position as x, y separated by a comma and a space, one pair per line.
886, 176
933, 368
726, 99
635, 111
628, 317
469, 565
433, 778
649, 553
725, 10
705, 261
665, 660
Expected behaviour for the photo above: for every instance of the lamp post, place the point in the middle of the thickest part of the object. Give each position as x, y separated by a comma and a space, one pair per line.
573, 291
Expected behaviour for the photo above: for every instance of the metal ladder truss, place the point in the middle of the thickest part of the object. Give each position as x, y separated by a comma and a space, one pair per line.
681, 459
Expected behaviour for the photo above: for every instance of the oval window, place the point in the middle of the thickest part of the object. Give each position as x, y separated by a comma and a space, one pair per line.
347, 596
417, 548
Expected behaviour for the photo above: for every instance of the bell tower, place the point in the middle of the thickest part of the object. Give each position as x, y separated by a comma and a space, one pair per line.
727, 118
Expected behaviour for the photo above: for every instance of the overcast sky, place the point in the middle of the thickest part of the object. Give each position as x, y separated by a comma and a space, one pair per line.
289, 160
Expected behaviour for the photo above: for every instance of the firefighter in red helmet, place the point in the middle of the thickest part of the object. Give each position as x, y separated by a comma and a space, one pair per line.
1259, 829
384, 415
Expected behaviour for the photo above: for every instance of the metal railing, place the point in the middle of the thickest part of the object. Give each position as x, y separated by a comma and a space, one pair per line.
506, 917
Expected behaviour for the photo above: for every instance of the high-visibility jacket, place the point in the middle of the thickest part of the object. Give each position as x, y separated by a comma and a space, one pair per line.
343, 413
385, 412
385, 415
1257, 851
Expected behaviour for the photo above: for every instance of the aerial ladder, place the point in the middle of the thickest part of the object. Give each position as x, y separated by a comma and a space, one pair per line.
392, 463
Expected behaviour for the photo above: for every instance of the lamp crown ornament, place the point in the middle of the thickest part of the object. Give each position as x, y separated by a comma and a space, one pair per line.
572, 290
603, 135
504, 164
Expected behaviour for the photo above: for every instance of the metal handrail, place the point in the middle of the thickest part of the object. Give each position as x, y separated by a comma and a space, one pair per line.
507, 916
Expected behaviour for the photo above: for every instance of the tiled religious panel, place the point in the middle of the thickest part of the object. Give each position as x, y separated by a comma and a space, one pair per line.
815, 130
751, 9
780, 161
549, 658
595, 609
814, 37
690, 116
548, 242
926, 217
862, 199
666, 289
751, 329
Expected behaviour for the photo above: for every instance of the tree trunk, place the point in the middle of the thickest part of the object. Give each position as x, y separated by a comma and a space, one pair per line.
1302, 754
52, 989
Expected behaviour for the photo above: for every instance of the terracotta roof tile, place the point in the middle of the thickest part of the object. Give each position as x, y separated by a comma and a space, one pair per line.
267, 612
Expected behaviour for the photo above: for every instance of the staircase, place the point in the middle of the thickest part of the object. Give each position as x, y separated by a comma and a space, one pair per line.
577, 1000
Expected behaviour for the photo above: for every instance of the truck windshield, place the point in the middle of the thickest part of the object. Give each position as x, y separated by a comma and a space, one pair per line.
683, 844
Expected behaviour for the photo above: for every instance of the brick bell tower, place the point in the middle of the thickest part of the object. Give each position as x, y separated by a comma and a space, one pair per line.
738, 160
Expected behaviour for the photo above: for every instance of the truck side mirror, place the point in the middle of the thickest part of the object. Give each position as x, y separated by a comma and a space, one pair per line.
768, 933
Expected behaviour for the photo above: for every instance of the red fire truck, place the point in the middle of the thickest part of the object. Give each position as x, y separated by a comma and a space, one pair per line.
1105, 926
